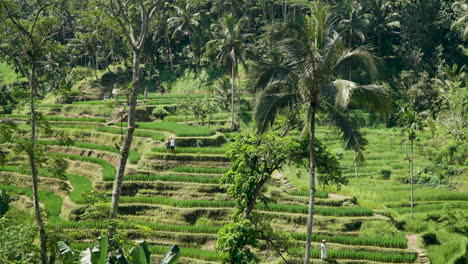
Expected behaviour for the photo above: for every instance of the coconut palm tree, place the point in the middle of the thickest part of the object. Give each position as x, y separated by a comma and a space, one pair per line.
229, 46
185, 21
308, 73
355, 22
382, 19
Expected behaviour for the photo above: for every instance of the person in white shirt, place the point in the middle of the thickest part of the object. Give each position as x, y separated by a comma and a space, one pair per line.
323, 250
172, 144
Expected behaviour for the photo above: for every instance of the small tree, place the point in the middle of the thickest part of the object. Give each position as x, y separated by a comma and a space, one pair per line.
253, 161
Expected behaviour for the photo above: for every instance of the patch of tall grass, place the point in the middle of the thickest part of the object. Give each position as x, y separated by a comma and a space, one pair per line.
181, 150
392, 257
318, 194
398, 241
114, 130
52, 202
108, 170
133, 156
81, 186
286, 208
179, 130
200, 170
170, 178
191, 118
61, 118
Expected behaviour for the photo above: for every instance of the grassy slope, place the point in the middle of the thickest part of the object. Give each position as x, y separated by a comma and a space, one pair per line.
386, 151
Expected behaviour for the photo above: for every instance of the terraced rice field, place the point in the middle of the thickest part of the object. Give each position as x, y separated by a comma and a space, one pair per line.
174, 196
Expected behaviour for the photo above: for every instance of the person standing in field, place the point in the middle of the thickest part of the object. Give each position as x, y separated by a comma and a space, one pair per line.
323, 250
172, 144
168, 144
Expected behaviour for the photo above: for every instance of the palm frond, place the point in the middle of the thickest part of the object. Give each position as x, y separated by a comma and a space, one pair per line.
347, 127
266, 106
362, 56
373, 98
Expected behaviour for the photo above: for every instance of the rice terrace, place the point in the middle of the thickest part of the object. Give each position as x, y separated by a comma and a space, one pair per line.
241, 132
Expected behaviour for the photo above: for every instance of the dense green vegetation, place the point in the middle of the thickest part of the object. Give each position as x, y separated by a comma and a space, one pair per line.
292, 122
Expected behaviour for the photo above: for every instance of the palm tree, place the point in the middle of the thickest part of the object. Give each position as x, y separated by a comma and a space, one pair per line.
463, 20
185, 22
355, 23
309, 73
382, 19
229, 48
411, 124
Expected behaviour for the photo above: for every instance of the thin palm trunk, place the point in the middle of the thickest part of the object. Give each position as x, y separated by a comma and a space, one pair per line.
232, 95
412, 190
285, 11
169, 50
32, 163
310, 219
356, 169
128, 140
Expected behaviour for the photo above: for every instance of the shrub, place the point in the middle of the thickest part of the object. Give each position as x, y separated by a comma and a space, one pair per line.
159, 112
429, 239
386, 174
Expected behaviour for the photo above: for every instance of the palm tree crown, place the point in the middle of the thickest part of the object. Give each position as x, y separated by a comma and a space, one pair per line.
229, 47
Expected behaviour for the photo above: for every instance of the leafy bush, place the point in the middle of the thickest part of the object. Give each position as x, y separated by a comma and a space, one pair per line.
386, 174
159, 112
4, 202
429, 239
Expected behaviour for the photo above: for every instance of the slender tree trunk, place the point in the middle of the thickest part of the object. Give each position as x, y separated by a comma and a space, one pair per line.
412, 189
356, 169
128, 141
233, 125
285, 11
169, 49
379, 37
310, 218
32, 163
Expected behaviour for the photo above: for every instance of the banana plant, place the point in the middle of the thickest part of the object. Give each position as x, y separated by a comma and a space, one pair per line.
139, 254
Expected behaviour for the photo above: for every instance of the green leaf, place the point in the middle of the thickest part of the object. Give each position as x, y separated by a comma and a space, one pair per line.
171, 256
66, 252
138, 256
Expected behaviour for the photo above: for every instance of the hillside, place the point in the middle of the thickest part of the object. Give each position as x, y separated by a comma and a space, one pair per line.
233, 132
174, 196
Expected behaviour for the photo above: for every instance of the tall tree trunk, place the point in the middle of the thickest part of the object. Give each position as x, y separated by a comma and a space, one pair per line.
356, 169
285, 11
232, 95
124, 150
412, 166
379, 37
32, 163
169, 49
310, 218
